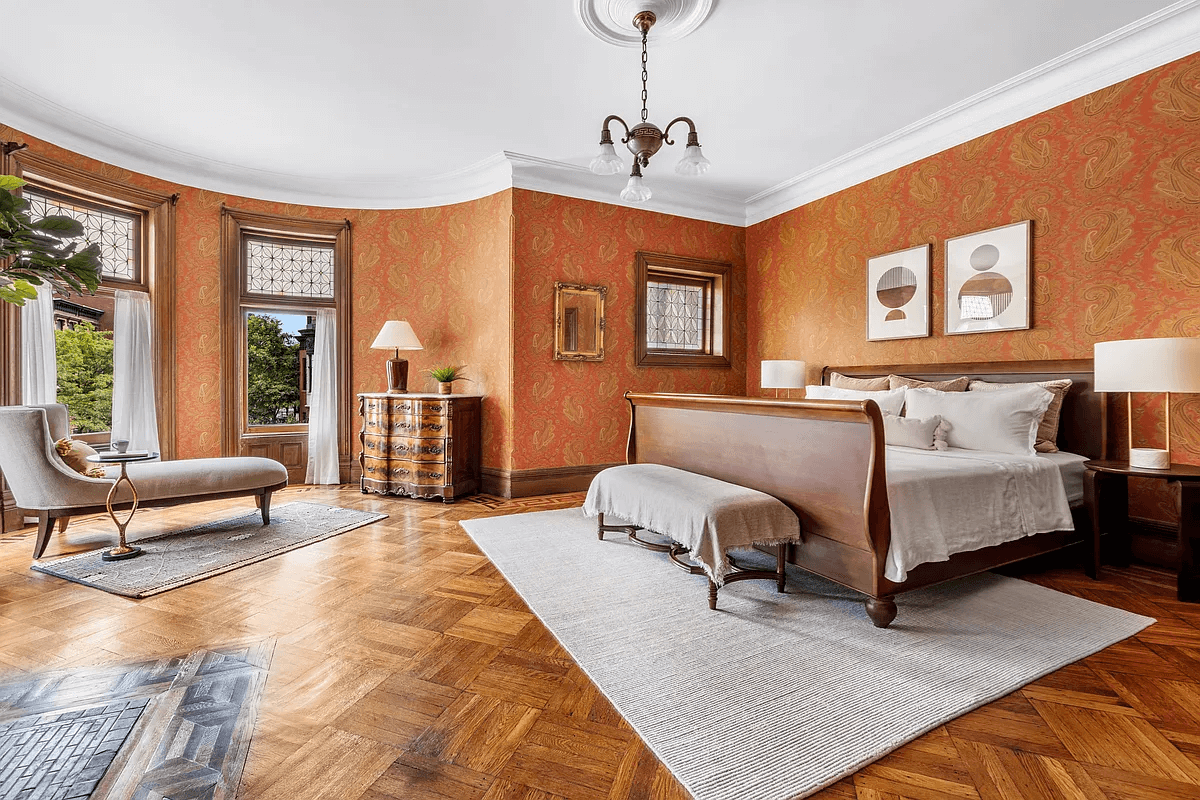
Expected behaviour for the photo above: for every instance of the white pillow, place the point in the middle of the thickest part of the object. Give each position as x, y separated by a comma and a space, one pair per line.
922, 434
1000, 422
890, 401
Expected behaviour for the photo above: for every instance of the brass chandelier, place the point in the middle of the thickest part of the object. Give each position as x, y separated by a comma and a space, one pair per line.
645, 138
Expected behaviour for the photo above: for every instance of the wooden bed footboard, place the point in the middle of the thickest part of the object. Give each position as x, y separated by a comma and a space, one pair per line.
823, 458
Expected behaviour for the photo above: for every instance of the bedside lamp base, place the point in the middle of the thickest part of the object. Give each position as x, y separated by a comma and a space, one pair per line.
1149, 458
397, 374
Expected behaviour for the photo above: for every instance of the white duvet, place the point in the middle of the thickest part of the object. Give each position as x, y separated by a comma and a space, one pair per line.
954, 500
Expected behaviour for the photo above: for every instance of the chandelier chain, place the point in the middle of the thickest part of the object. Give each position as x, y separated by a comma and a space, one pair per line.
645, 74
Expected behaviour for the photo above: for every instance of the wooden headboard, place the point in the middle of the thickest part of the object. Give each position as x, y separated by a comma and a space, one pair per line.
1084, 426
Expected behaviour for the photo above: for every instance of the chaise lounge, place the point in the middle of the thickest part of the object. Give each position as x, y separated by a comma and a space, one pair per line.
41, 481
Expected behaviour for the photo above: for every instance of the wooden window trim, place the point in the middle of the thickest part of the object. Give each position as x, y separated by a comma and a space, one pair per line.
235, 222
157, 246
720, 273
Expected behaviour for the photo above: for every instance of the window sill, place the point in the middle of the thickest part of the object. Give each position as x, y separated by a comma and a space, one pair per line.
652, 359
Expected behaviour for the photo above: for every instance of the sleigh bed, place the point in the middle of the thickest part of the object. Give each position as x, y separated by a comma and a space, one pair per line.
827, 461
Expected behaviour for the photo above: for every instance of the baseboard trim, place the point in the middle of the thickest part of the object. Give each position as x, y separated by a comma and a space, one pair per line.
532, 482
1154, 542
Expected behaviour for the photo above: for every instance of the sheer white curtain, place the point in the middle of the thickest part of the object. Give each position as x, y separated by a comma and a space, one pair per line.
322, 403
134, 416
39, 372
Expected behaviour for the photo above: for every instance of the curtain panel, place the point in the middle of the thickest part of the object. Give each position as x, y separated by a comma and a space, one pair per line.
39, 371
134, 415
322, 403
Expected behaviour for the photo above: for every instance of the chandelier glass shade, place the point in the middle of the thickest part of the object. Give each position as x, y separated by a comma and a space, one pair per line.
635, 191
645, 138
607, 162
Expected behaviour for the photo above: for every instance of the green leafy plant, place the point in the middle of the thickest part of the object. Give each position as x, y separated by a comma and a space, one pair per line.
447, 374
33, 252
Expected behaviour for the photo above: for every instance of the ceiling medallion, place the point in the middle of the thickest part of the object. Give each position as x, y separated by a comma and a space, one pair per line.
645, 138
609, 20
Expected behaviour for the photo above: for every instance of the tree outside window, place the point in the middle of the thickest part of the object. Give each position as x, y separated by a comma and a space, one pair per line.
84, 358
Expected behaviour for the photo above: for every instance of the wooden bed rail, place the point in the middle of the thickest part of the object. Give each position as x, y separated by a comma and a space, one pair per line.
823, 458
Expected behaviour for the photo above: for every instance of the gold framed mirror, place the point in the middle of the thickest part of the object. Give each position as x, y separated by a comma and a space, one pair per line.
579, 321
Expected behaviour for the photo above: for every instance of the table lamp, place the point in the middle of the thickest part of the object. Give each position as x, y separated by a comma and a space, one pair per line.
782, 375
1148, 365
397, 335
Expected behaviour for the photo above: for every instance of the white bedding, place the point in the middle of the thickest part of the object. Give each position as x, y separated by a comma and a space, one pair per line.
1070, 466
953, 501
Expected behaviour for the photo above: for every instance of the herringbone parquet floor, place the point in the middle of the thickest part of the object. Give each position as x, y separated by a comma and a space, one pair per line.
405, 667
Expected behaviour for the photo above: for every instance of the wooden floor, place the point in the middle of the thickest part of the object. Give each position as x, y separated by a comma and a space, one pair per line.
405, 667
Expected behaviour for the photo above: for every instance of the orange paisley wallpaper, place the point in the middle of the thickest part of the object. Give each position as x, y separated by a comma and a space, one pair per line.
1112, 184
568, 413
443, 269
1111, 181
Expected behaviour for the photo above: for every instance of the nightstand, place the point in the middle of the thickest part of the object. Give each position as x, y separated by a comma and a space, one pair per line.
1106, 488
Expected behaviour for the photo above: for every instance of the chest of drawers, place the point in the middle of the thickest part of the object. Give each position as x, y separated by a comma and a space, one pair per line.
420, 445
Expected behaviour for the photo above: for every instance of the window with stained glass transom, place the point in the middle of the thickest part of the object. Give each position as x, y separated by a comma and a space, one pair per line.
117, 233
683, 317
284, 268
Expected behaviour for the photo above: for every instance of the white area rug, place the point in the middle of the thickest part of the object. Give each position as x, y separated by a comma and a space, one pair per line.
776, 696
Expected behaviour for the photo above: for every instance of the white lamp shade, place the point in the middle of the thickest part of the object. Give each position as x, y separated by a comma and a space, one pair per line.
396, 335
783, 375
1148, 365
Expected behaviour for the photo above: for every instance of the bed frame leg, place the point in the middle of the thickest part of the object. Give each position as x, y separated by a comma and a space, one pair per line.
712, 595
780, 567
881, 610
600, 527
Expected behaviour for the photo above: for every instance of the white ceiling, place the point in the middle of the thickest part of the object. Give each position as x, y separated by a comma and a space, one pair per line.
397, 104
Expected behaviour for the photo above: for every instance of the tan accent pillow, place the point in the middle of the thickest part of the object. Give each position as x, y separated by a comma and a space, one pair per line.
952, 385
74, 454
922, 434
840, 381
1047, 432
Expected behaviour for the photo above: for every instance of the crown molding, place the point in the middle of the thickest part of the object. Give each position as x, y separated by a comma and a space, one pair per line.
36, 116
1164, 36
1160, 38
573, 180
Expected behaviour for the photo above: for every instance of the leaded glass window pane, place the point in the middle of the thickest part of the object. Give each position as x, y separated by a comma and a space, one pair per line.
115, 232
674, 316
289, 269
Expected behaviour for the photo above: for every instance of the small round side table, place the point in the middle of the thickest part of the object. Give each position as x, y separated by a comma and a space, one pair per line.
122, 550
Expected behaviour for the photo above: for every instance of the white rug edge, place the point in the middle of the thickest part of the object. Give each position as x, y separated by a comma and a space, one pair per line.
867, 760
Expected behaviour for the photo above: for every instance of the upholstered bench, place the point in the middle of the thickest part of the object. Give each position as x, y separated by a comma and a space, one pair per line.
42, 482
704, 518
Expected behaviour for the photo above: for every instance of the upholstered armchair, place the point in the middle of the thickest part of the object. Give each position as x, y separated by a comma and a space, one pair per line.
40, 480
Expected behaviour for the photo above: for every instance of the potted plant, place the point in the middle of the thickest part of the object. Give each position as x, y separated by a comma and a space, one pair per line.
33, 252
446, 376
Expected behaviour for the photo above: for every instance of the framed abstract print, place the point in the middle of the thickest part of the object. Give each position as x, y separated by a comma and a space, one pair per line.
988, 280
898, 295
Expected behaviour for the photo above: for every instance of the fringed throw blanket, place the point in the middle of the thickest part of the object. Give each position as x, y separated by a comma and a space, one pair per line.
707, 516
